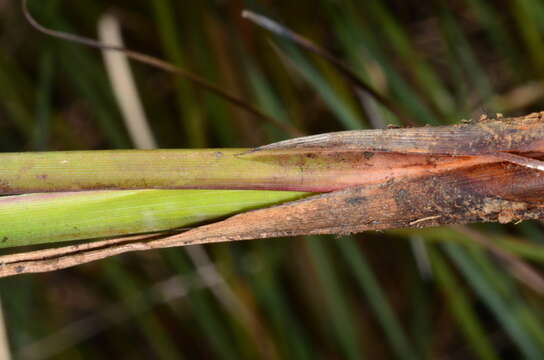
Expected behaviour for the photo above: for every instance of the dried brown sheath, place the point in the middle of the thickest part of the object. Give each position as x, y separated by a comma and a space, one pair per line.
496, 192
444, 189
519, 134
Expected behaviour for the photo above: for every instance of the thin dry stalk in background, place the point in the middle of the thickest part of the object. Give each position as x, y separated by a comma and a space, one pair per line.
140, 132
4, 343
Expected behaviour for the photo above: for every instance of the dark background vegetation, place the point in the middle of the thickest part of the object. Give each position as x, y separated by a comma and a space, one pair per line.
406, 295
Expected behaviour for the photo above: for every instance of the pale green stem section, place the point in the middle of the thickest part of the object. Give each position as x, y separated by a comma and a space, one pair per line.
43, 218
172, 169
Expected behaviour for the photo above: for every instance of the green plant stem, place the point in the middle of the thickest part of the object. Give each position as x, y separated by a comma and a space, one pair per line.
47, 218
172, 169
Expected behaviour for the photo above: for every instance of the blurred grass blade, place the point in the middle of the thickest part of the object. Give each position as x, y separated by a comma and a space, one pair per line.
527, 14
268, 99
377, 300
344, 327
83, 215
13, 85
523, 310
421, 309
206, 314
362, 45
504, 312
464, 56
296, 60
268, 288
516, 246
43, 103
425, 77
494, 22
165, 13
349, 74
459, 303
127, 289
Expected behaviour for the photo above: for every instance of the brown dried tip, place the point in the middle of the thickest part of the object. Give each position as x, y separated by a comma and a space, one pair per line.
520, 134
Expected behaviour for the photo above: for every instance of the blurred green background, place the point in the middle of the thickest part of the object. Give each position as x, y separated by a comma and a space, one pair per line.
430, 294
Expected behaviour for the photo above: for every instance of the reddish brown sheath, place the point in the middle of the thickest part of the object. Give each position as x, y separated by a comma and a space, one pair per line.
469, 188
494, 192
